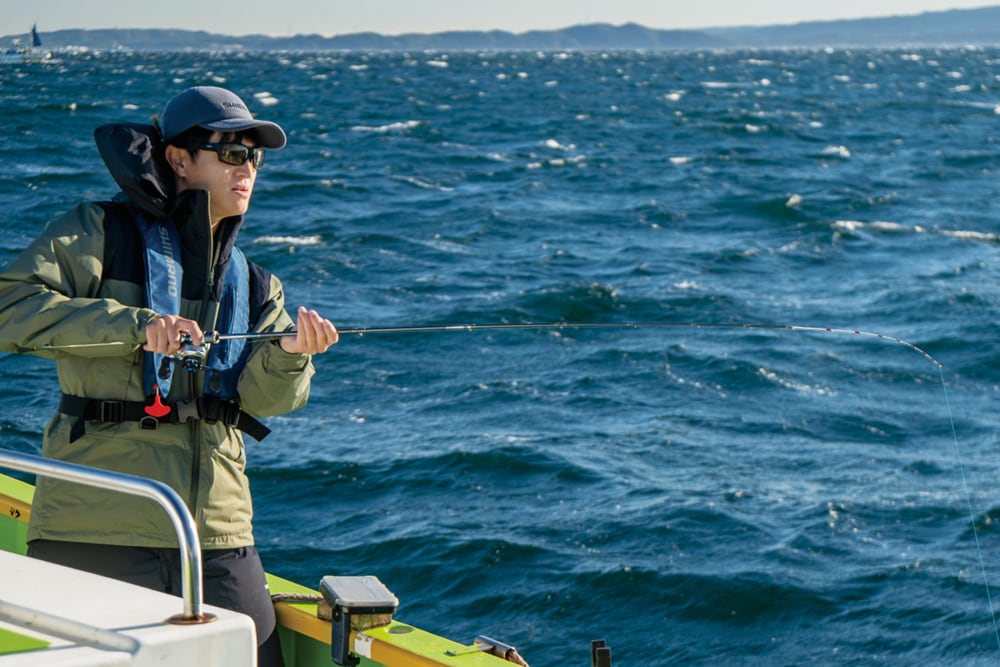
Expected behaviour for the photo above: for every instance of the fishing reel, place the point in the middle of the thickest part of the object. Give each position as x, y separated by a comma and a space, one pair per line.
190, 357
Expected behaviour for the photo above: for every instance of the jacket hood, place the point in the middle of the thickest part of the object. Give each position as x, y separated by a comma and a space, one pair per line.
133, 154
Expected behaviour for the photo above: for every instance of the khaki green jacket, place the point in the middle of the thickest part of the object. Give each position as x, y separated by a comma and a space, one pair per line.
54, 294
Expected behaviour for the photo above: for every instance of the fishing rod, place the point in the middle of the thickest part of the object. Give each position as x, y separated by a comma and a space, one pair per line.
215, 337
191, 356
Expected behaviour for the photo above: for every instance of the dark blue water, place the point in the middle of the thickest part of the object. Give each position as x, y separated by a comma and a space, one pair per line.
692, 495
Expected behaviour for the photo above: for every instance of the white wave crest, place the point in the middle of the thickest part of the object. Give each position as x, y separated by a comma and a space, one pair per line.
265, 98
971, 235
556, 146
897, 228
800, 387
426, 185
837, 151
401, 126
290, 240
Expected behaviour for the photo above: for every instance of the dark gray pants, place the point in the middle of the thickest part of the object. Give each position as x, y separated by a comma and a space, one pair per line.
232, 579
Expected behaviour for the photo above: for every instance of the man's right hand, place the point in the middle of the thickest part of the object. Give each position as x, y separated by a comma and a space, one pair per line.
163, 333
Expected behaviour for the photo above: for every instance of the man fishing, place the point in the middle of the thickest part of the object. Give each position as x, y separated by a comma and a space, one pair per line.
150, 273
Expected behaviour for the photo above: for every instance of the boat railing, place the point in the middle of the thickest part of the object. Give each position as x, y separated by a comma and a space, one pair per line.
163, 495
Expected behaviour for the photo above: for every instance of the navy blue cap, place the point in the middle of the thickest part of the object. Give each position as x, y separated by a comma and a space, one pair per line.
215, 109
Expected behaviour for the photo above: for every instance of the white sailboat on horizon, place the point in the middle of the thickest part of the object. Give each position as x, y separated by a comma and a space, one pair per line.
20, 53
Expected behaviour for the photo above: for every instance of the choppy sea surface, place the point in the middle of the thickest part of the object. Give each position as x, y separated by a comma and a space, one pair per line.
692, 495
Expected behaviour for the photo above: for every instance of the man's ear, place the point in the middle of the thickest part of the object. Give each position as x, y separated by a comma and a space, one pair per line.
177, 158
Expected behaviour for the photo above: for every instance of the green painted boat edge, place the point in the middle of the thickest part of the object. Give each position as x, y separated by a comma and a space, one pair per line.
15, 642
15, 507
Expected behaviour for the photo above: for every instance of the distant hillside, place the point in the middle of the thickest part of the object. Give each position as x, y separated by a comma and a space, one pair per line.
948, 28
598, 36
979, 27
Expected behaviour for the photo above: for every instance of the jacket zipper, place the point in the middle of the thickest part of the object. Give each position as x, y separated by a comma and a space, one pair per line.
197, 433
196, 436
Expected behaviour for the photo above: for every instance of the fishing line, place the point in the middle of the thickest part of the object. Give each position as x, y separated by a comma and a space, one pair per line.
968, 501
213, 337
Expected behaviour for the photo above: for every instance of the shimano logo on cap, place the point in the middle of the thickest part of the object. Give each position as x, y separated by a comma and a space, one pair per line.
235, 105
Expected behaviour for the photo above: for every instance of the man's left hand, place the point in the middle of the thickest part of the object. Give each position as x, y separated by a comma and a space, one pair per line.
314, 335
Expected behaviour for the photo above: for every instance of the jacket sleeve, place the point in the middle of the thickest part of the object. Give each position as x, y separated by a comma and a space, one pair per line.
49, 294
274, 382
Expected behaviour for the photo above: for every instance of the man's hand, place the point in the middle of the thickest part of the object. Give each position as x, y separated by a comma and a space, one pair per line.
314, 335
163, 333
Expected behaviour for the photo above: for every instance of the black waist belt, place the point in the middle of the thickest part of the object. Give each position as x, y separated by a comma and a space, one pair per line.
207, 409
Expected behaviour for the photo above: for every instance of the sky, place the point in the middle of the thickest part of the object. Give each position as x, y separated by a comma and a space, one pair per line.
391, 17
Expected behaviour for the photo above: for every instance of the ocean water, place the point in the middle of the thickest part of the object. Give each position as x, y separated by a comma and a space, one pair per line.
695, 495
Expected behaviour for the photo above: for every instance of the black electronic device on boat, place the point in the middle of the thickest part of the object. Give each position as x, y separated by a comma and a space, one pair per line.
349, 599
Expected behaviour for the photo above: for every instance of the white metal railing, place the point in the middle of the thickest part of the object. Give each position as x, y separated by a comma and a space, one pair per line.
163, 495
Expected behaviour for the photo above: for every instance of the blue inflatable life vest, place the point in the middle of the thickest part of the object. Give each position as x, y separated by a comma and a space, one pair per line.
164, 277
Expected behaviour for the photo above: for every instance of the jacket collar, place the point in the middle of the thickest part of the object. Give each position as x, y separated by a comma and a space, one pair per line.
134, 157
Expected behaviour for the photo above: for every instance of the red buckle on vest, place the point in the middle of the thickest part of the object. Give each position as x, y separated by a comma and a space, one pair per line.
157, 409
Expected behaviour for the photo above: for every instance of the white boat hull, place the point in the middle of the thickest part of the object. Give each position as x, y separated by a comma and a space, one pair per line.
67, 618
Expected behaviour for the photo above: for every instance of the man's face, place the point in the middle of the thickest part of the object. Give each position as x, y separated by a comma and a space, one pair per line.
229, 186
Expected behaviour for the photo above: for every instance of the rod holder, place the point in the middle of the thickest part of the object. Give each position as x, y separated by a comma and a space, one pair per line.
600, 654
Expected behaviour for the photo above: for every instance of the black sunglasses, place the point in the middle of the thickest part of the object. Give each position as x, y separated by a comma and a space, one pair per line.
236, 154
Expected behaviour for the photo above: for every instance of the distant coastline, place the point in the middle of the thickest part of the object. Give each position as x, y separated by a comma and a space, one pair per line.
960, 27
